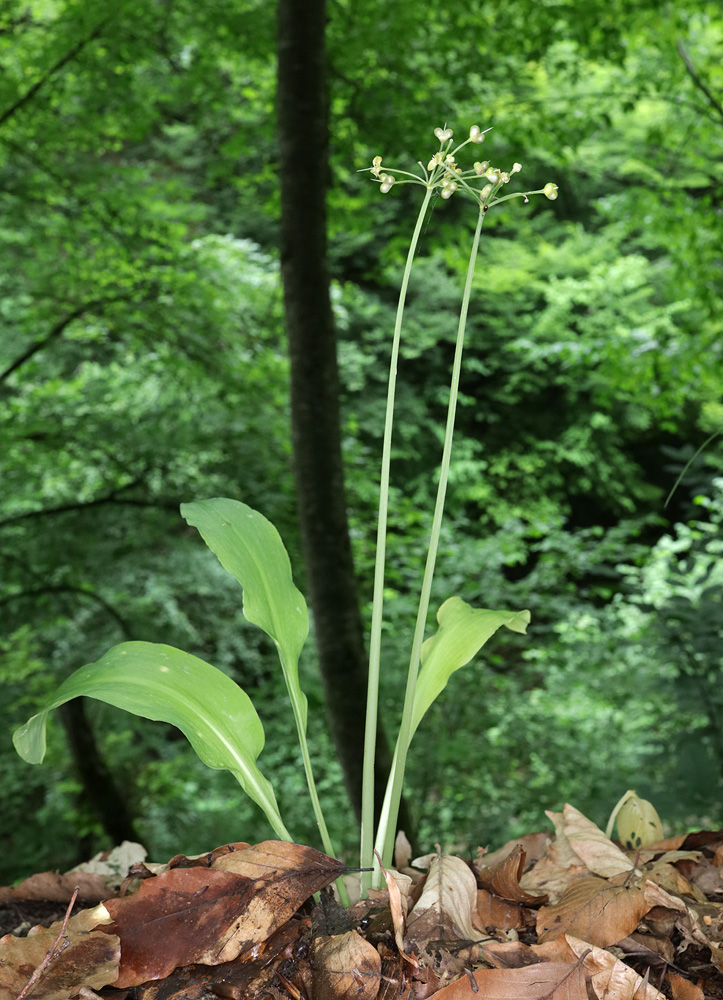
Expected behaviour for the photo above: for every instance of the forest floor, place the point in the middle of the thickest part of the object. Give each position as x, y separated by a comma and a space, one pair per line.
568, 915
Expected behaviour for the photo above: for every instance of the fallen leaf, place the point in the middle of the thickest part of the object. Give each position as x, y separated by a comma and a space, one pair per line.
212, 915
533, 844
610, 978
683, 989
90, 959
57, 888
497, 913
346, 966
402, 851
551, 980
398, 906
504, 879
445, 908
595, 911
553, 872
591, 845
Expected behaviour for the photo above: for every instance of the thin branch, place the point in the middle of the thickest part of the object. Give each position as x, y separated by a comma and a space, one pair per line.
698, 81
63, 61
56, 330
61, 943
79, 591
64, 508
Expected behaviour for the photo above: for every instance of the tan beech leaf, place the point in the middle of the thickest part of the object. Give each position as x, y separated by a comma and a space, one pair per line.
590, 844
610, 978
90, 959
683, 989
551, 980
504, 879
346, 966
497, 913
445, 908
510, 954
595, 911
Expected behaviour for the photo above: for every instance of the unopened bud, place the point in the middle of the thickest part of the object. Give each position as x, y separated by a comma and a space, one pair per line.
476, 134
550, 191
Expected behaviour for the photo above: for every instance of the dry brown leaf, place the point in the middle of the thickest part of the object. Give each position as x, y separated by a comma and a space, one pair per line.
683, 989
551, 980
509, 954
91, 959
445, 908
398, 906
504, 879
58, 888
346, 966
533, 844
591, 845
498, 913
553, 873
212, 915
595, 911
402, 851
610, 978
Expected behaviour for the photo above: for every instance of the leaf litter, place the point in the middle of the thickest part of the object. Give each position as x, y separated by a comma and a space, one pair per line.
568, 915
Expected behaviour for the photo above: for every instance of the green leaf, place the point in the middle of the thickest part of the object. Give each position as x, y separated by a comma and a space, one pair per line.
462, 632
167, 685
250, 548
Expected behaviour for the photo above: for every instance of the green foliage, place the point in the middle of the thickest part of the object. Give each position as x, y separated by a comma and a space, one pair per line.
155, 371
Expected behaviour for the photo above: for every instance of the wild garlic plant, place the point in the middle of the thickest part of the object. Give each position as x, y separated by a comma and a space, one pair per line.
160, 682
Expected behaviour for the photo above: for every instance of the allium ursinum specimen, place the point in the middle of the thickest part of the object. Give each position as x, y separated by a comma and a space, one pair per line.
442, 175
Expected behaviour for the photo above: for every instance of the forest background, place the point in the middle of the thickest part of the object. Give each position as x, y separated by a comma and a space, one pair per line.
144, 363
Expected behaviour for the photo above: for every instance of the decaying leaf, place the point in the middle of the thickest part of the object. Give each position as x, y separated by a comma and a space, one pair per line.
551, 980
497, 913
591, 845
610, 978
213, 915
59, 888
346, 966
90, 959
504, 879
446, 907
595, 911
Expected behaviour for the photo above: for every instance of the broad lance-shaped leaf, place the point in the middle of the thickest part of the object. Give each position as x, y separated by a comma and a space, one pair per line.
251, 549
167, 685
463, 630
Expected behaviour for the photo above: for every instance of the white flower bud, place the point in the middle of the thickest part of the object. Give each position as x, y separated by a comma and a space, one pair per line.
387, 181
476, 135
376, 165
516, 167
550, 191
443, 134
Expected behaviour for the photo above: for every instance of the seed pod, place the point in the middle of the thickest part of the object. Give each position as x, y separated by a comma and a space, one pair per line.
638, 823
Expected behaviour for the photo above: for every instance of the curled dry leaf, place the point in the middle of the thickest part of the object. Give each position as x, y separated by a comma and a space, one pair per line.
90, 959
447, 904
398, 906
504, 879
346, 966
683, 989
595, 911
533, 844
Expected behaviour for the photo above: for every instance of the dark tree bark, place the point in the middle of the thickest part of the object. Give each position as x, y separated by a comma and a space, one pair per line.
99, 789
316, 434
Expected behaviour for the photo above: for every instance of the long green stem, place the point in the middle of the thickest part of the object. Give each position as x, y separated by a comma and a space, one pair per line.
387, 823
375, 639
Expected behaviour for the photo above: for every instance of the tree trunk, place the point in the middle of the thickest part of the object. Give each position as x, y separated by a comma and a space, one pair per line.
100, 792
315, 418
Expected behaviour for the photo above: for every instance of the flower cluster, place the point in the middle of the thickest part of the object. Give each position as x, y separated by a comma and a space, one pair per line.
443, 173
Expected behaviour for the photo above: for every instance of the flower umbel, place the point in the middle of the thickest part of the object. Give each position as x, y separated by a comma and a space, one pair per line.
444, 176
